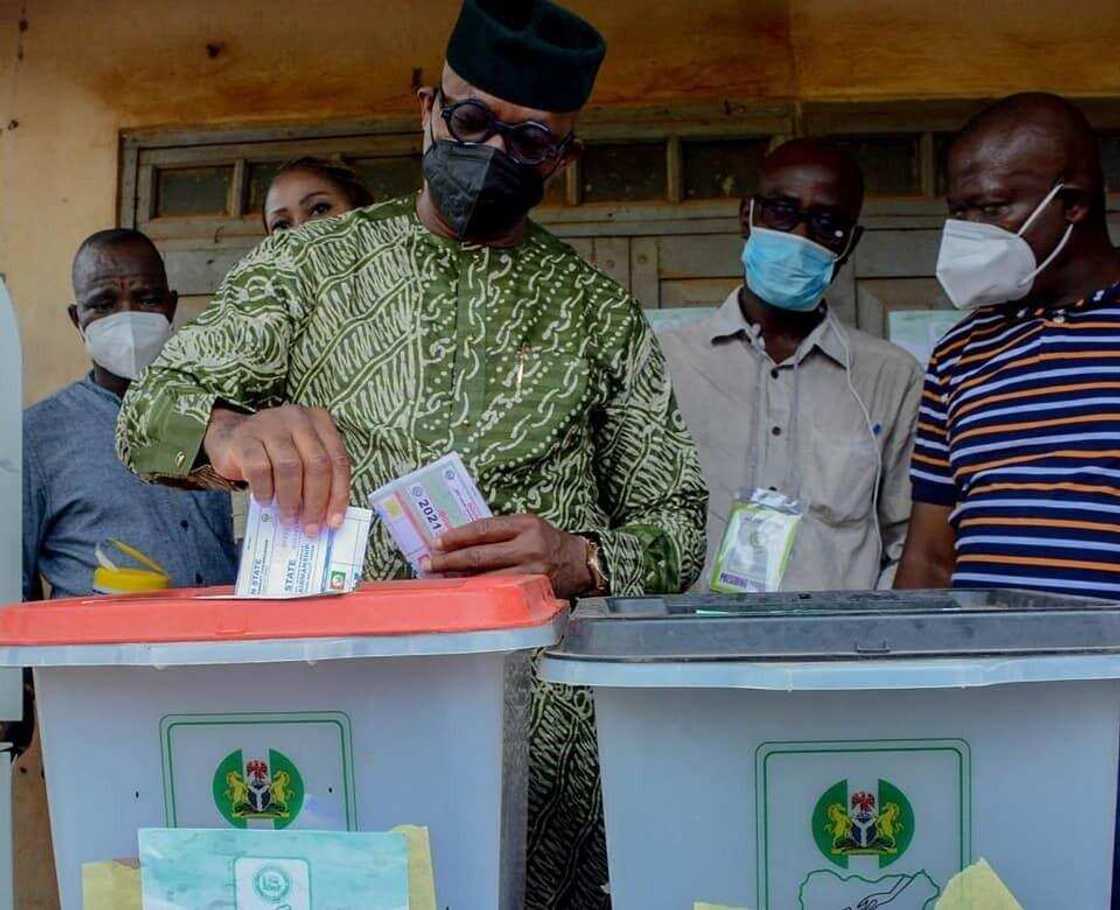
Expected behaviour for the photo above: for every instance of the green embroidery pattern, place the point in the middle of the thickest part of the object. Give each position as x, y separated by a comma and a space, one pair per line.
539, 370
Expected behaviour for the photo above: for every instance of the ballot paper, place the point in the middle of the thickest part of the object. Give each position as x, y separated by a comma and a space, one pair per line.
420, 506
279, 560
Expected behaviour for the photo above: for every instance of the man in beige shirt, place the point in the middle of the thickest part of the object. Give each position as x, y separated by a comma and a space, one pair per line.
780, 396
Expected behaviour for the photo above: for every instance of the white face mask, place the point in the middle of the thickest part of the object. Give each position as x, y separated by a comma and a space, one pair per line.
981, 264
125, 343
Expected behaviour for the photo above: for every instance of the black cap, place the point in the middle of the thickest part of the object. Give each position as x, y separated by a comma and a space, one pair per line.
528, 52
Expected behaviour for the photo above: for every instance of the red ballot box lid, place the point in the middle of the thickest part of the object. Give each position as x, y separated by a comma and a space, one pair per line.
214, 615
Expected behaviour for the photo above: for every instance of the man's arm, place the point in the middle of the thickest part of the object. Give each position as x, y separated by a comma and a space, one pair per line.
930, 553
894, 485
649, 478
210, 411
929, 556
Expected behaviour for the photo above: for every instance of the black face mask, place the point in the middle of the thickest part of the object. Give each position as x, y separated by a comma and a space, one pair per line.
480, 190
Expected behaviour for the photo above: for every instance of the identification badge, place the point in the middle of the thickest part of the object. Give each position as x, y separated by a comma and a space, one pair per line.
757, 543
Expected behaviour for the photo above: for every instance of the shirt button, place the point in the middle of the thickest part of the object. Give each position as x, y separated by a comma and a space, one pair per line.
184, 524
198, 578
777, 431
1059, 319
774, 374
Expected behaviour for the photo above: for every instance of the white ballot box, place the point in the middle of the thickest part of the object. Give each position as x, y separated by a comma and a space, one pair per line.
823, 751
402, 703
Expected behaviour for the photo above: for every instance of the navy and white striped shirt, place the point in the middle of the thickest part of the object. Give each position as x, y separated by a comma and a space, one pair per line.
1019, 433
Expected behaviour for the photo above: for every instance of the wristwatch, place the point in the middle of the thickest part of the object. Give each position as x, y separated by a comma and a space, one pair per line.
600, 583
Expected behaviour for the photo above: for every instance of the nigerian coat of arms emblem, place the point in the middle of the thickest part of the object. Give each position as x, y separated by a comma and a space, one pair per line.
265, 789
876, 823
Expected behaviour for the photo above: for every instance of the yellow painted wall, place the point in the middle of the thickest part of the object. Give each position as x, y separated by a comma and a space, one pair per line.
872, 49
90, 69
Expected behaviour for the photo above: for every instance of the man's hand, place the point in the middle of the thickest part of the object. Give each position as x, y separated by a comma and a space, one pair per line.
291, 454
515, 545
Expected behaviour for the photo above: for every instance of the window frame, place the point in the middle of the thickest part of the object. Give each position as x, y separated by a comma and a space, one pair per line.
142, 151
205, 246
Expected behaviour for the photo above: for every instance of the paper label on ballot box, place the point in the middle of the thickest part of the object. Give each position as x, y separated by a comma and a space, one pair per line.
191, 869
861, 824
272, 771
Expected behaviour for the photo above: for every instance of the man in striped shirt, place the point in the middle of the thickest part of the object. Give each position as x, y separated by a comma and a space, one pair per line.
1016, 467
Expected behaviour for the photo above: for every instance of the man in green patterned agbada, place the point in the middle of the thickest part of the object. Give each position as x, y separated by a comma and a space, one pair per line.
342, 355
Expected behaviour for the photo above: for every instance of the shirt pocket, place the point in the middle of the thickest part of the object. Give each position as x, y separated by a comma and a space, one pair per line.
840, 487
540, 404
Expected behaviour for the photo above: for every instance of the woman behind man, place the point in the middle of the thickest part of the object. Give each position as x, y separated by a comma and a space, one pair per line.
307, 189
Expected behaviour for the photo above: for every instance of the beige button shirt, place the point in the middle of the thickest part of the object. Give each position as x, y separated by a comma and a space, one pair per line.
736, 400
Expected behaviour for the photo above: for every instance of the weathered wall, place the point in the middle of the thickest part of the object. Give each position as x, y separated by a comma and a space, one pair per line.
863, 49
83, 71
89, 70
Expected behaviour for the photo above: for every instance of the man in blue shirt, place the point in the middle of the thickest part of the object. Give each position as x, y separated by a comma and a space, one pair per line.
76, 494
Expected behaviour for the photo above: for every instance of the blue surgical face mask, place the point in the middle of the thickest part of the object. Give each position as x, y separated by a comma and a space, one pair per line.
785, 270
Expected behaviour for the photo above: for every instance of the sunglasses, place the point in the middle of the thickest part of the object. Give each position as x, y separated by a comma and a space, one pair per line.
825, 227
530, 143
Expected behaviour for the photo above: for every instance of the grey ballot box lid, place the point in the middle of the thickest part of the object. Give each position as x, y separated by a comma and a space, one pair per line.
832, 626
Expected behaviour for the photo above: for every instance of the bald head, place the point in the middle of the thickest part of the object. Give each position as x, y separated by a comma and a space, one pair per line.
826, 165
114, 244
116, 271
1033, 135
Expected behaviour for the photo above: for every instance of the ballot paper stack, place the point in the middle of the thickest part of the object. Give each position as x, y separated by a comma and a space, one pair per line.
279, 560
420, 506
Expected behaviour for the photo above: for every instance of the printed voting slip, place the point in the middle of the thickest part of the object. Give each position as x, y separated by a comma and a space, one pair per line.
279, 560
420, 506
191, 868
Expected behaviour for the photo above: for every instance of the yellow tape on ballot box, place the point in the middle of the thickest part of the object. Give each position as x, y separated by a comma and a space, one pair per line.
977, 888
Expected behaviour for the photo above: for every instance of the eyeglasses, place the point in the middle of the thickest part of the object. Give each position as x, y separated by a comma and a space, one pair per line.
472, 123
826, 228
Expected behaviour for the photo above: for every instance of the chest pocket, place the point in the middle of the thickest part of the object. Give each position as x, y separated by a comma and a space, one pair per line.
840, 484
540, 402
